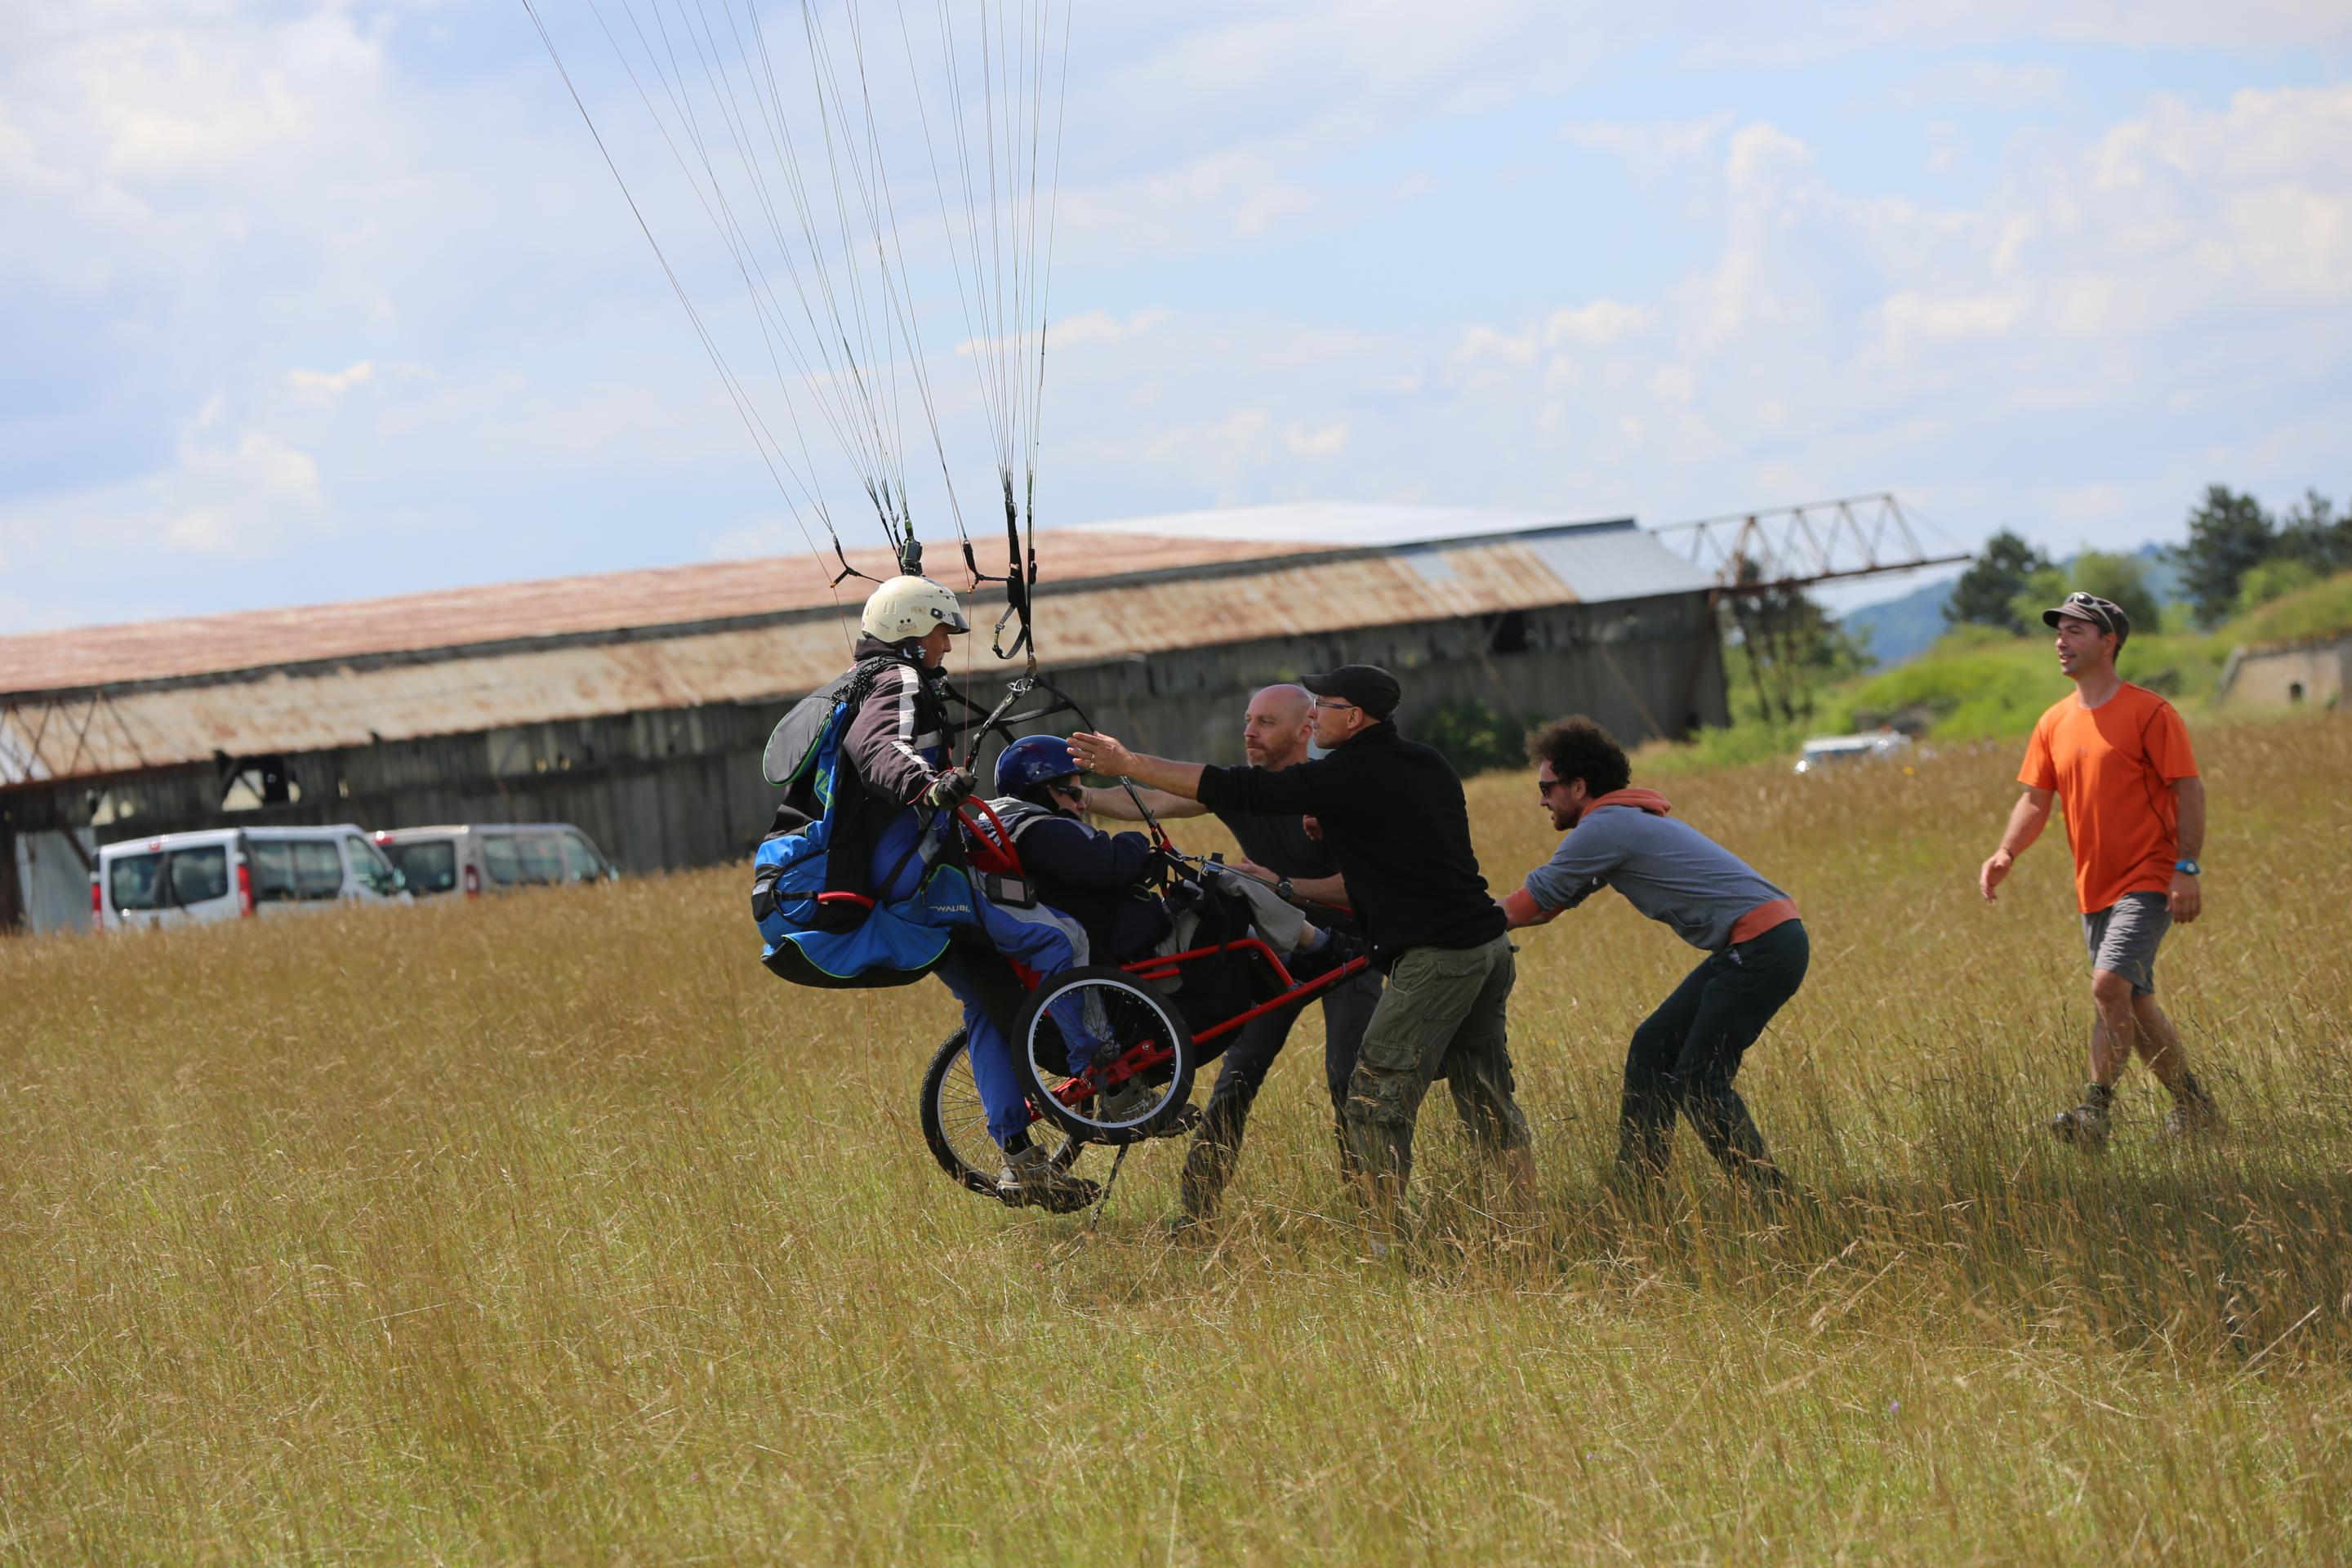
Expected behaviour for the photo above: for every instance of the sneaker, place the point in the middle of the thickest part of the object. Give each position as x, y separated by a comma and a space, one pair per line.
1030, 1179
2086, 1126
2194, 1115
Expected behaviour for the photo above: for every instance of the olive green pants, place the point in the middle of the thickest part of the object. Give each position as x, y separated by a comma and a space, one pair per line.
1442, 1016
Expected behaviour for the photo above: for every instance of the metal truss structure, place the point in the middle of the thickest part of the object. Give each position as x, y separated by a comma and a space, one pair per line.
1795, 546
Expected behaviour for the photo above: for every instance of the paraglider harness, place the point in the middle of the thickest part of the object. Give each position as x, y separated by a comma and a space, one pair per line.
813, 890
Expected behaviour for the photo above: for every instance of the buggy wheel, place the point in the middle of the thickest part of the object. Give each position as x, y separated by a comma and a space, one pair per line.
1136, 1055
955, 1124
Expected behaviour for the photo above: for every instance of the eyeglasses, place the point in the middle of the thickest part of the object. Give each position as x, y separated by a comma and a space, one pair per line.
1543, 786
1332, 702
1067, 789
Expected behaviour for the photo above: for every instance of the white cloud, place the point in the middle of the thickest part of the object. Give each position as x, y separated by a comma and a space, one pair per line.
202, 196
231, 490
1597, 324
1093, 327
1651, 145
1995, 83
1601, 322
1327, 442
1907, 316
330, 382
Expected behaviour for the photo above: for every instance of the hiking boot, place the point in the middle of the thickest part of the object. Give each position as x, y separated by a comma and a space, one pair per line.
1125, 1101
2086, 1126
2194, 1115
1031, 1179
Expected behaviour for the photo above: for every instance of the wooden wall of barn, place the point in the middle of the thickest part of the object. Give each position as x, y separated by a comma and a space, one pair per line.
681, 788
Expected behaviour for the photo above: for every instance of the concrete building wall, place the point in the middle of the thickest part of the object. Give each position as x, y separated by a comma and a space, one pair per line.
677, 788
2313, 672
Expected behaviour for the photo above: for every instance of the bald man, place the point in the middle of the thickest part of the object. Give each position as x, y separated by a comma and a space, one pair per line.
1276, 731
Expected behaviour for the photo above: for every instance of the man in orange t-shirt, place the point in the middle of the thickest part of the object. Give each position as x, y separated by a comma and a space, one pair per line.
2118, 756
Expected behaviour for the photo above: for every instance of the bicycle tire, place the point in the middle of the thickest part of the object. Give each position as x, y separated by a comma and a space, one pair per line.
1136, 1017
955, 1128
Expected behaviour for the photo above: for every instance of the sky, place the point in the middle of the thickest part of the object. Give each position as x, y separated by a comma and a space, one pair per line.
304, 302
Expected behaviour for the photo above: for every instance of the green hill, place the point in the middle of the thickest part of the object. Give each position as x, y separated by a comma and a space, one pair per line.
2320, 610
1976, 684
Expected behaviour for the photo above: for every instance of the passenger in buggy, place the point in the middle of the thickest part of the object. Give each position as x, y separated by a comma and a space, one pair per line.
1103, 892
1110, 884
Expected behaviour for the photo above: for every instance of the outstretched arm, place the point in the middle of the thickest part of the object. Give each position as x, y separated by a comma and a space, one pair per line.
2026, 820
1105, 754
1119, 805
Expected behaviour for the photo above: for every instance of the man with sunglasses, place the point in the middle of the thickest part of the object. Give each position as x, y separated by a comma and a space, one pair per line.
1394, 816
1685, 1055
2118, 755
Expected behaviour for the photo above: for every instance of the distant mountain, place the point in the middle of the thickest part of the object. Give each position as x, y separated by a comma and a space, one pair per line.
1895, 631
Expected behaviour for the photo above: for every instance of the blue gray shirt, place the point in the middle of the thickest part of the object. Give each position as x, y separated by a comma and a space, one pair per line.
1667, 870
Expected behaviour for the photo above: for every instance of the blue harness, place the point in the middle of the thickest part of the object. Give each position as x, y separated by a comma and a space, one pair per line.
836, 939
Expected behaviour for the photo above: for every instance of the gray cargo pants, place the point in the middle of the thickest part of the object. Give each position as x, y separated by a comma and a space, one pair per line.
1442, 1016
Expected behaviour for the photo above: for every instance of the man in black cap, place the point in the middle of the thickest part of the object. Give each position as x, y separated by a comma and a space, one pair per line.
1424, 907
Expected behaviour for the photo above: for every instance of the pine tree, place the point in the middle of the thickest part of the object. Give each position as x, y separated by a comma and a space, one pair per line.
2229, 535
2315, 535
1986, 594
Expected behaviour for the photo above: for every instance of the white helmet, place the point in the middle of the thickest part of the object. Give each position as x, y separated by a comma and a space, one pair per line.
909, 607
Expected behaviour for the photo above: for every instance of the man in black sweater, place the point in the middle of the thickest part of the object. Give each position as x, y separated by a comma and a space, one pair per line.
1394, 816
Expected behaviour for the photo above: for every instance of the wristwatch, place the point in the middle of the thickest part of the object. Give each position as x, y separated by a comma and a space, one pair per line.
1284, 891
2191, 866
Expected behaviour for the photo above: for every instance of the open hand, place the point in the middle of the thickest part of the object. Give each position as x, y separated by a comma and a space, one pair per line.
1101, 754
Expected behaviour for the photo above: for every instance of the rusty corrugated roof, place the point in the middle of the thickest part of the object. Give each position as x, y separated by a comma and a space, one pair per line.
329, 703
558, 606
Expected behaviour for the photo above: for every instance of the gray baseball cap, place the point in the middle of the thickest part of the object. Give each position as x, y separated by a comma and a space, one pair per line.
2104, 614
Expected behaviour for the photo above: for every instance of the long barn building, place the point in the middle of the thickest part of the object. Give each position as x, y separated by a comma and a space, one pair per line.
635, 704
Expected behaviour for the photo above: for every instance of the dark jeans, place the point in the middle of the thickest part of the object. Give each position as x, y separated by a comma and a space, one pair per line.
1685, 1056
1217, 1146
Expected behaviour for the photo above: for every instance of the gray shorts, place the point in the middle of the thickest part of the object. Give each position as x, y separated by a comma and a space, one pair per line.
2123, 937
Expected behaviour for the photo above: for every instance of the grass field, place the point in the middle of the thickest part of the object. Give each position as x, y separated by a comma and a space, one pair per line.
556, 1230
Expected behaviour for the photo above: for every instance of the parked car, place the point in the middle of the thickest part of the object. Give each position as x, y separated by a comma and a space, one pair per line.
1834, 751
230, 873
493, 857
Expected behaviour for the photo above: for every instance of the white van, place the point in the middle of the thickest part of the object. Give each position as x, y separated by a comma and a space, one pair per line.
474, 857
230, 873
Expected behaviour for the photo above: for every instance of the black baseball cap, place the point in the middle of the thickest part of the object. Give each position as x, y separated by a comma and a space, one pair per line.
1368, 686
2104, 614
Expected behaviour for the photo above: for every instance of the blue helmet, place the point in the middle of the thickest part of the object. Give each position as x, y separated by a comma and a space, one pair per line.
1033, 760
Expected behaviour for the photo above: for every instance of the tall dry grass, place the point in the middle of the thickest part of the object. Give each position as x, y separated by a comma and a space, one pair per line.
554, 1228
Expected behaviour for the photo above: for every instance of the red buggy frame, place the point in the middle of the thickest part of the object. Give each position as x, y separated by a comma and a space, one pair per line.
1139, 1084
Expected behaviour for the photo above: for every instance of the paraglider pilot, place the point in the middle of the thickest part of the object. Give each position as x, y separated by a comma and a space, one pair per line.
860, 880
